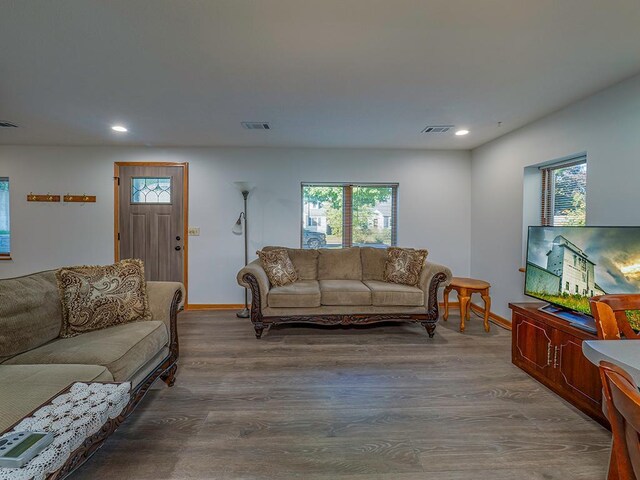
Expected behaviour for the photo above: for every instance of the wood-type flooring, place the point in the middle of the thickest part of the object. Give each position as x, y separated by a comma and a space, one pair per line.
379, 402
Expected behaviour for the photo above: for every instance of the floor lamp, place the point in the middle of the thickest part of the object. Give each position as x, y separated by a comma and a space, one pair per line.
240, 229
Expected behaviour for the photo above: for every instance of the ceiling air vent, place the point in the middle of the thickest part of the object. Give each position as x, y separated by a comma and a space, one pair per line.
437, 128
7, 125
256, 125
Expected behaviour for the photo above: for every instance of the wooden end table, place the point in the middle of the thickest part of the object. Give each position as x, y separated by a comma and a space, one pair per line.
465, 287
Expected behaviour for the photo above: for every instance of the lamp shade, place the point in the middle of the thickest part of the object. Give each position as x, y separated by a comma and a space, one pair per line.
237, 227
243, 186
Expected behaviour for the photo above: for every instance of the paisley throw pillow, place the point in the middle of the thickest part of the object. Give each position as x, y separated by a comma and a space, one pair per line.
97, 297
278, 266
404, 265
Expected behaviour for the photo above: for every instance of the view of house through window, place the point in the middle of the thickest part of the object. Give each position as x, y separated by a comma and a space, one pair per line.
336, 216
5, 242
564, 193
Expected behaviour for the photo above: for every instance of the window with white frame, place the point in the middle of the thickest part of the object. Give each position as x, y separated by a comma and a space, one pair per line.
5, 227
564, 193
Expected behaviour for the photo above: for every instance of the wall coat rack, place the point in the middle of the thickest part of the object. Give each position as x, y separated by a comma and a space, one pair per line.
84, 198
33, 197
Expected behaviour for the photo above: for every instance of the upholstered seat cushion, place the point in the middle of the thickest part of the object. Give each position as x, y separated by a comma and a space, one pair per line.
123, 349
344, 292
339, 264
30, 313
385, 294
303, 293
305, 261
373, 263
23, 388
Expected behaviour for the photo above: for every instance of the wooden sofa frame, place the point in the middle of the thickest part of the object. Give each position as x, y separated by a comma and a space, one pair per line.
428, 319
166, 371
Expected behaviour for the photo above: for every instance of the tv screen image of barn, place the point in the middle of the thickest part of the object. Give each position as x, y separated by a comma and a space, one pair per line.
568, 265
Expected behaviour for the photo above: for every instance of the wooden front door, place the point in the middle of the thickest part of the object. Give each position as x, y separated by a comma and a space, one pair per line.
151, 218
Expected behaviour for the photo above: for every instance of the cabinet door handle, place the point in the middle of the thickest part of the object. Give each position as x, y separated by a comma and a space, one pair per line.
549, 353
555, 357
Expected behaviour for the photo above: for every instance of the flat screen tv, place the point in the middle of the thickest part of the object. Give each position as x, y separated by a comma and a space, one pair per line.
568, 265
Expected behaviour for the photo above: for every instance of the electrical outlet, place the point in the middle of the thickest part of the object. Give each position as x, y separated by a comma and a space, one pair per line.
194, 231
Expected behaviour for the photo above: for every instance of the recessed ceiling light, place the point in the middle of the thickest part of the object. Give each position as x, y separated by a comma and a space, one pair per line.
119, 128
462, 132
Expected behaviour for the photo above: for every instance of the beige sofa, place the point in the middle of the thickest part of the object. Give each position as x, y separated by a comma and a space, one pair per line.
342, 286
35, 363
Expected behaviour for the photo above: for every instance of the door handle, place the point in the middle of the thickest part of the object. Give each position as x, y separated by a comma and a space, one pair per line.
549, 353
555, 358
178, 248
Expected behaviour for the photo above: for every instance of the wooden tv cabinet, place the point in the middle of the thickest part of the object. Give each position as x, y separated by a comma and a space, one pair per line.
550, 350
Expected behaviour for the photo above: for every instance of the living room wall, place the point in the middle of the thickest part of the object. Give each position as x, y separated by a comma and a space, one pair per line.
606, 126
434, 200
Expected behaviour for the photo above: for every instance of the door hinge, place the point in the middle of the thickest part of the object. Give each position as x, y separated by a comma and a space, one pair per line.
118, 236
118, 179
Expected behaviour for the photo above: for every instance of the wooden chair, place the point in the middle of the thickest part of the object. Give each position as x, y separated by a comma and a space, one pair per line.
609, 312
623, 410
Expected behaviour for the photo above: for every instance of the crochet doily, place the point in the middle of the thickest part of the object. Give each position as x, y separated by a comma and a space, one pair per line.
72, 417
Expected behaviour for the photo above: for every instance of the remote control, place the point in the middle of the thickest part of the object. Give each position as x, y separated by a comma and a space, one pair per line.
17, 448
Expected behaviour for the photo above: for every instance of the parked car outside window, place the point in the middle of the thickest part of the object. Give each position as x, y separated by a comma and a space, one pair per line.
312, 239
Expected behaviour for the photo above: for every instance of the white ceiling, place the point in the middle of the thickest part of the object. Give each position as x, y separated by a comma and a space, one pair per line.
324, 73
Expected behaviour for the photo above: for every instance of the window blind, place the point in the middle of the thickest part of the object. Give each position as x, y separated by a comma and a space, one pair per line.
347, 216
394, 215
4, 218
564, 188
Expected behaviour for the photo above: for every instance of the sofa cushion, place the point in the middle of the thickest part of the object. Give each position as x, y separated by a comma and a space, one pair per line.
373, 262
404, 265
339, 264
344, 292
385, 294
30, 313
123, 349
96, 297
152, 365
23, 388
304, 293
278, 266
305, 261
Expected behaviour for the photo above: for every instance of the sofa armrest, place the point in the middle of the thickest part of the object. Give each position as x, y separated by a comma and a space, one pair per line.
161, 296
432, 277
255, 278
166, 299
